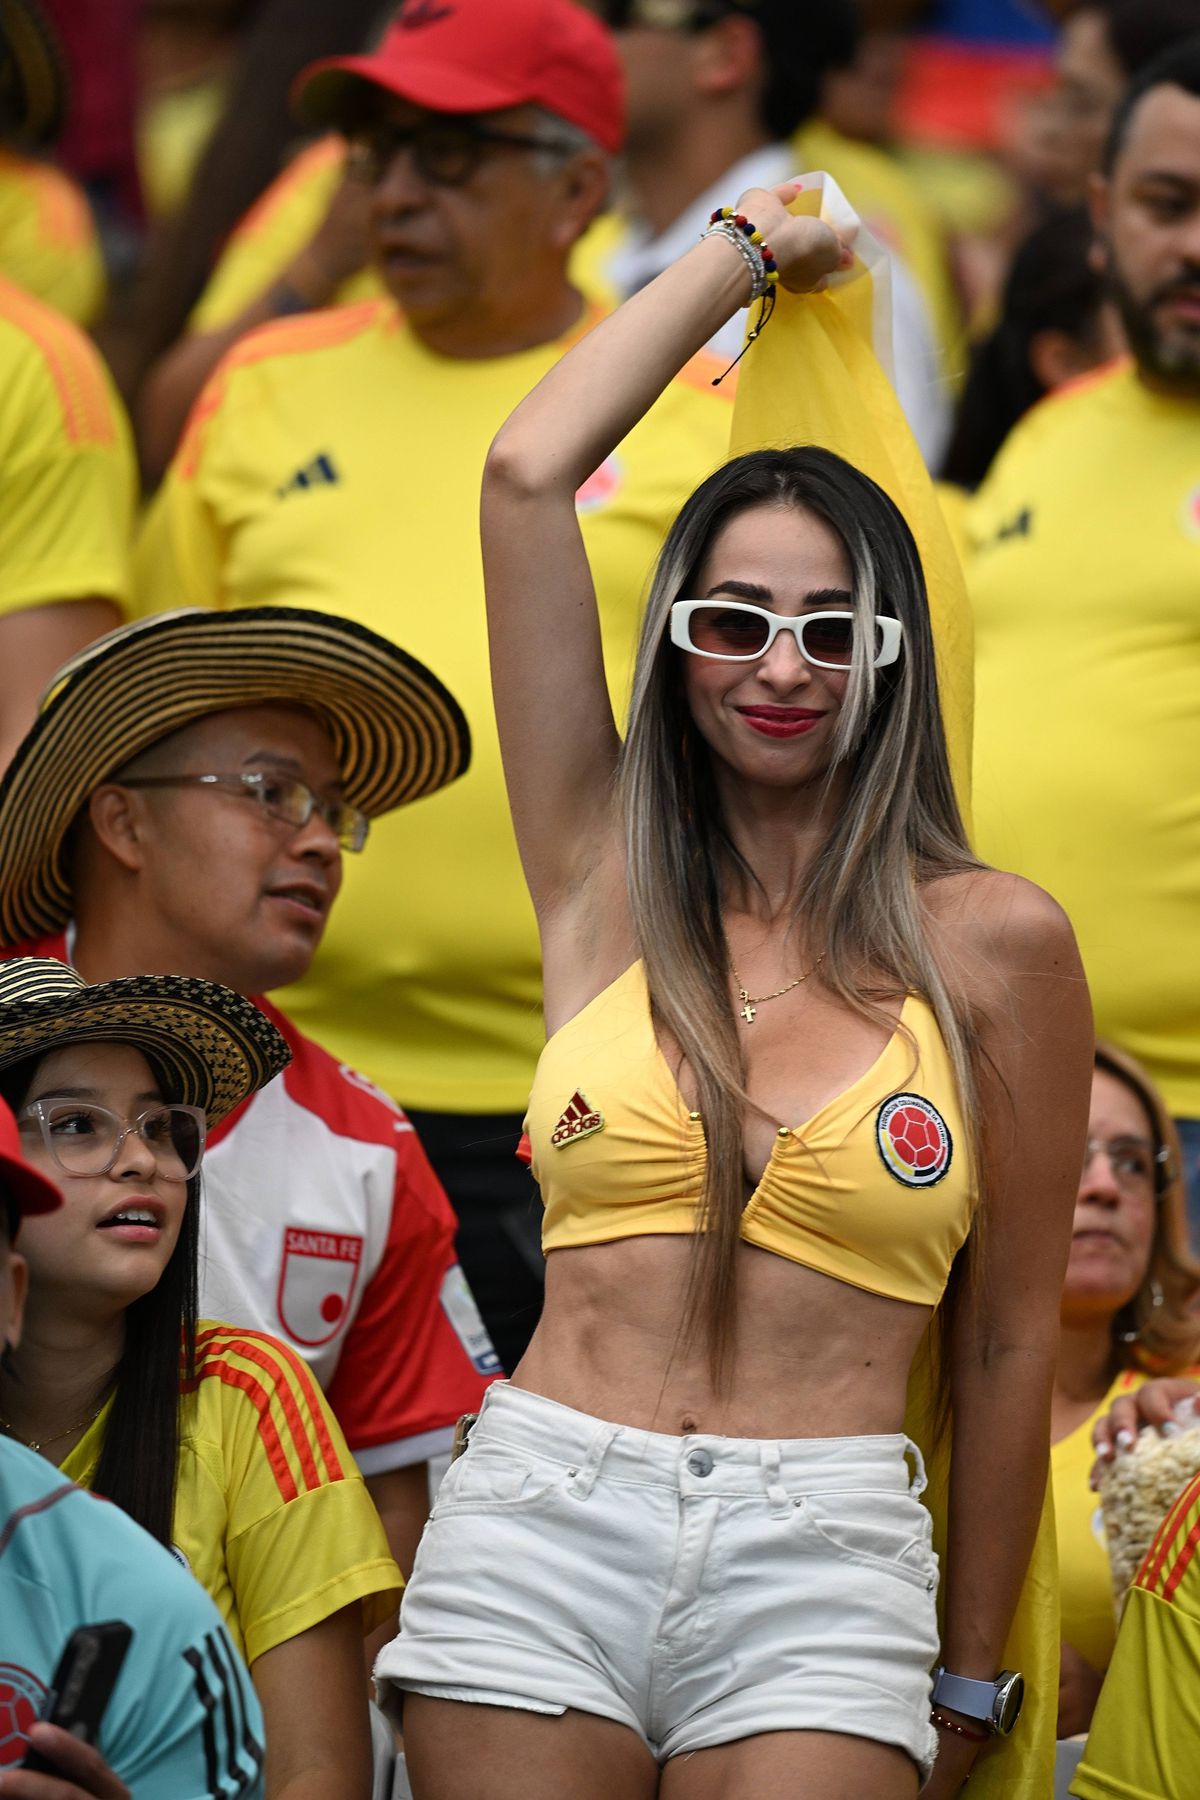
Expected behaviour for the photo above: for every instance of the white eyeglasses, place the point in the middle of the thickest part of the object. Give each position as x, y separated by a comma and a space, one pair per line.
731, 631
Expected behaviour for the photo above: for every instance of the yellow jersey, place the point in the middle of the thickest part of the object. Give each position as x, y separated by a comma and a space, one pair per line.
333, 461
1089, 1612
271, 1515
1145, 1738
272, 232
67, 474
48, 239
1083, 563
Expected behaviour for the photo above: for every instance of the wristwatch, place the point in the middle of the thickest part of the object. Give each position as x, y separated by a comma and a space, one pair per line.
996, 1704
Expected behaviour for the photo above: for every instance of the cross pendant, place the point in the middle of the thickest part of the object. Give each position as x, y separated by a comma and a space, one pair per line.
748, 1011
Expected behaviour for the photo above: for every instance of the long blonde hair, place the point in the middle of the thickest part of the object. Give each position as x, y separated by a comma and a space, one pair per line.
900, 826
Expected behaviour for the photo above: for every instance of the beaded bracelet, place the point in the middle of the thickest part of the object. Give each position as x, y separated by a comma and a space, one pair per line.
757, 255
939, 1719
746, 238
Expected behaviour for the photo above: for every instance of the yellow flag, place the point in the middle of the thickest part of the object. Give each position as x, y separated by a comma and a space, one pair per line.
815, 377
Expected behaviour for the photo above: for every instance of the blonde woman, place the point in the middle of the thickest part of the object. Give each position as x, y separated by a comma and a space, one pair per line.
1128, 1314
684, 1553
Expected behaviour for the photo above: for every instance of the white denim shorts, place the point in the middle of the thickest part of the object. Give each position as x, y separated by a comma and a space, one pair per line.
697, 1589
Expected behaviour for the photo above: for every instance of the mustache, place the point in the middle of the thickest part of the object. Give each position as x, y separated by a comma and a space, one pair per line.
1180, 286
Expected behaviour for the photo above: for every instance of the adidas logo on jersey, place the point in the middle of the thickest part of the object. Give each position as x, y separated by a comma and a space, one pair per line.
320, 472
1021, 525
579, 1120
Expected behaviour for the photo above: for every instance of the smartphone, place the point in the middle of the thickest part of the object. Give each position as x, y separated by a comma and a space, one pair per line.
83, 1682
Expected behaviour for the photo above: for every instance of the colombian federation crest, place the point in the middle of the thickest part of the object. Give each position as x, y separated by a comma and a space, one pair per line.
22, 1701
317, 1283
914, 1140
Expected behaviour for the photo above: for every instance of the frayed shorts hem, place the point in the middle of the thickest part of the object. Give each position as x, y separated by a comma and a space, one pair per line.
897, 1733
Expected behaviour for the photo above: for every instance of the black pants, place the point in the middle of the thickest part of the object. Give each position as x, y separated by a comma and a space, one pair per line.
499, 1219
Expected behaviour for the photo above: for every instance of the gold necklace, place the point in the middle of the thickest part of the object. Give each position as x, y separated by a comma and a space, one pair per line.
750, 1003
57, 1436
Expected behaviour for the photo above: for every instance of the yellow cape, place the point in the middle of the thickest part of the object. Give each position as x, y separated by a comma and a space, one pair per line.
814, 378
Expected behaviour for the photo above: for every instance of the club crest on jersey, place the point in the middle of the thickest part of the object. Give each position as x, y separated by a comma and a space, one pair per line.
579, 1120
22, 1700
317, 1283
914, 1140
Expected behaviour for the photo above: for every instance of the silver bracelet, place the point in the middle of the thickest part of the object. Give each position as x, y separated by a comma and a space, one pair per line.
749, 253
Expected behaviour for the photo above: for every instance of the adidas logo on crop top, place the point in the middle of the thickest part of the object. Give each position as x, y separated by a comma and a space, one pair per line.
828, 1197
324, 1224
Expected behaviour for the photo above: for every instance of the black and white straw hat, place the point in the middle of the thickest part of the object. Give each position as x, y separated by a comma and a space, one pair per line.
398, 734
207, 1045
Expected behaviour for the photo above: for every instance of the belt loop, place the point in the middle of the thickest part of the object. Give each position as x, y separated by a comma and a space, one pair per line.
917, 1485
769, 1457
583, 1477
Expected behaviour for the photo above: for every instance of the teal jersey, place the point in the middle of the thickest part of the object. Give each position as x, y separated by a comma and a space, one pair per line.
183, 1722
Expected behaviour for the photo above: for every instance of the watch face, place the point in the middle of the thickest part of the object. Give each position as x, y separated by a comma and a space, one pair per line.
1010, 1692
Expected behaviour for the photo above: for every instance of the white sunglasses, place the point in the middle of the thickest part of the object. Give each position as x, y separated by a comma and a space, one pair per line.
731, 631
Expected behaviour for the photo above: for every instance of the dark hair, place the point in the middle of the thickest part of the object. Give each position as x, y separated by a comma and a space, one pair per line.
136, 1470
1051, 287
1158, 1331
246, 150
1140, 30
1178, 67
797, 54
10, 1212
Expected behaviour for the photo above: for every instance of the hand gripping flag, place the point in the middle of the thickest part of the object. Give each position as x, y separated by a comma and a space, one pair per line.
820, 374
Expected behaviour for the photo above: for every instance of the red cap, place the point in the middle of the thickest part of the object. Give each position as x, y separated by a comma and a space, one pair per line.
31, 1191
472, 56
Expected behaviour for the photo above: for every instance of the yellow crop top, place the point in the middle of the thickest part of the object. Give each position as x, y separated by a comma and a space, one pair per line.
617, 1153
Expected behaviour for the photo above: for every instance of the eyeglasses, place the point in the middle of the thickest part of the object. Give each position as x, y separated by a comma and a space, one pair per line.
730, 631
291, 802
85, 1139
445, 152
1137, 1168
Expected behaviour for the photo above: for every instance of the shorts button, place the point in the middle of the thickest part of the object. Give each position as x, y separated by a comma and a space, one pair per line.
700, 1462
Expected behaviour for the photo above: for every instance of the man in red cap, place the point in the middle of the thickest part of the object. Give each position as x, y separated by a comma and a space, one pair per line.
334, 460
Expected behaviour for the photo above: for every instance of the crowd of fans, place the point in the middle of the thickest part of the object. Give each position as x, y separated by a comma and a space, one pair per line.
274, 274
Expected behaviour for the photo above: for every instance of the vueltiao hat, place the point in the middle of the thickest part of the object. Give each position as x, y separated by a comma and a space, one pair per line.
208, 1046
398, 734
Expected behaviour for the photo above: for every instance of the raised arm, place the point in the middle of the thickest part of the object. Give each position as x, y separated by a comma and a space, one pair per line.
557, 732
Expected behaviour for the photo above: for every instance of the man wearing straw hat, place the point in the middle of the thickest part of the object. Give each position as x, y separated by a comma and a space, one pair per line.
337, 455
181, 806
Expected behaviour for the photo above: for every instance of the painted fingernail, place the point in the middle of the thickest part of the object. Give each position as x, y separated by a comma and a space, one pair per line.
1125, 1439
1169, 1428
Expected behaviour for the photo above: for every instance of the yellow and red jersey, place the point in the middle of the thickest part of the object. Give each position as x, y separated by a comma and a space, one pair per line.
67, 474
1083, 564
271, 1515
48, 240
1145, 1738
333, 461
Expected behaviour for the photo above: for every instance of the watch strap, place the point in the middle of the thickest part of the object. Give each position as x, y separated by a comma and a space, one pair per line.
977, 1699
